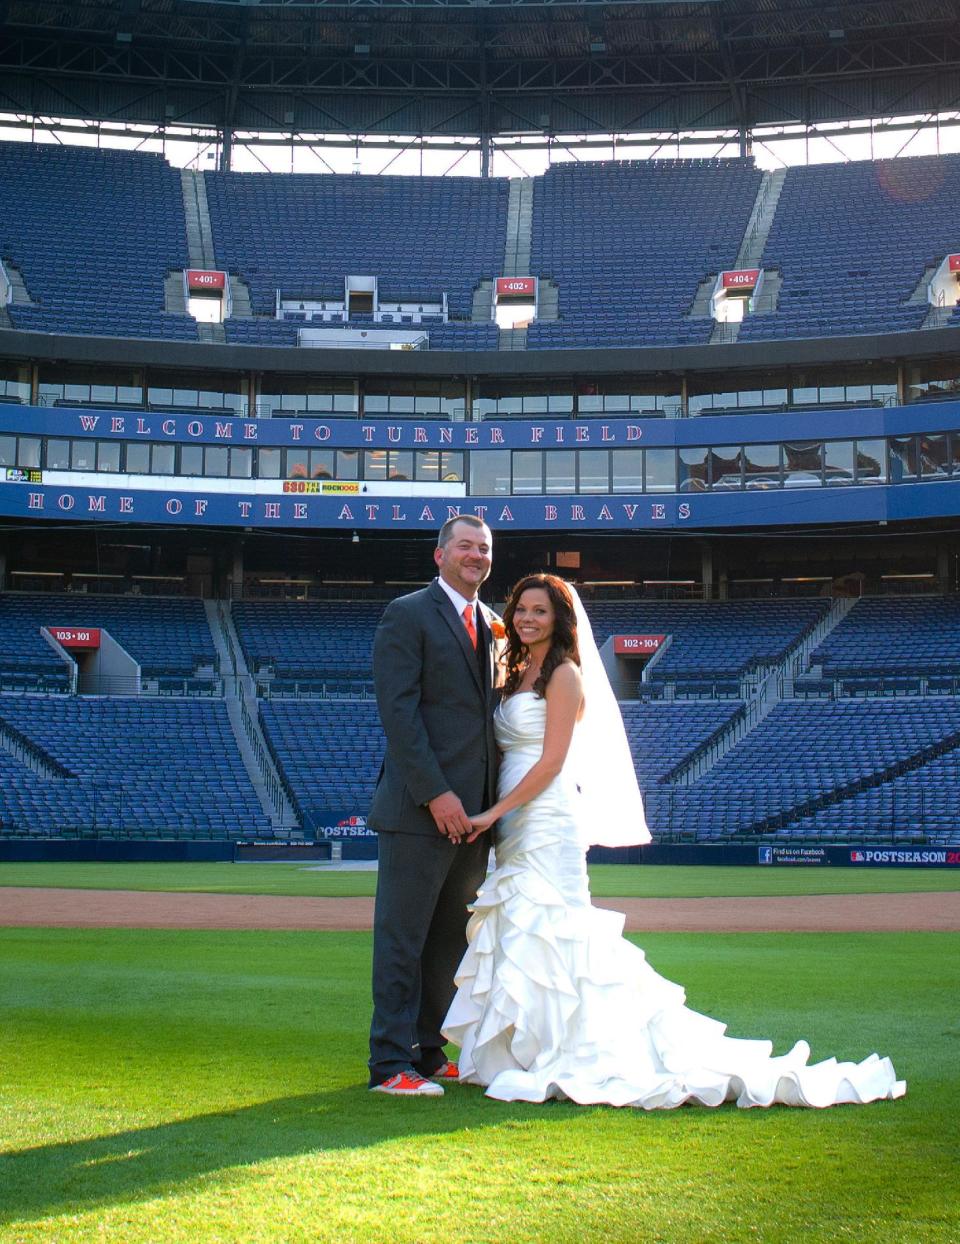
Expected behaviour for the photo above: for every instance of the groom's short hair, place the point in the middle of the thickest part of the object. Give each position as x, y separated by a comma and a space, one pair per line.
445, 535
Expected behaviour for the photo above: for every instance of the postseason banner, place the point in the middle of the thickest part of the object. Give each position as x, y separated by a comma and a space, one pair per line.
861, 857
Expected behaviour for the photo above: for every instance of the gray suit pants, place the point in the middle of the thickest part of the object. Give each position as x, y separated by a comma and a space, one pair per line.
423, 888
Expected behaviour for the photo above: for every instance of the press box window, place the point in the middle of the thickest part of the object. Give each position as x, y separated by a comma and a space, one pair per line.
627, 470
58, 455
431, 464
162, 460
268, 463
83, 455
8, 451
215, 461
137, 459
660, 470
29, 449
490, 472
561, 470
108, 456
191, 459
594, 466
871, 461
241, 463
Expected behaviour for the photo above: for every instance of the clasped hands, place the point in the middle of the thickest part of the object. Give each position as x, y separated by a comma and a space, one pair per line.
452, 820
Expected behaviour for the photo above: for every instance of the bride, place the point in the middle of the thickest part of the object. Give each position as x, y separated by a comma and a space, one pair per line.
552, 1001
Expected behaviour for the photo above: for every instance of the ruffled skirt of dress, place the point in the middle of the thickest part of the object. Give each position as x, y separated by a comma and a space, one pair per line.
553, 1002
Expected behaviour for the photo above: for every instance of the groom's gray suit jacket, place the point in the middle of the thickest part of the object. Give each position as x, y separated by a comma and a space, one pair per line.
435, 696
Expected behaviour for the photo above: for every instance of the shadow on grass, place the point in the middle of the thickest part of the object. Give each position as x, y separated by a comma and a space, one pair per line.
143, 1162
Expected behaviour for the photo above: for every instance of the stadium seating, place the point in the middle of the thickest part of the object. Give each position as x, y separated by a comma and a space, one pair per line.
802, 753
168, 636
307, 642
421, 236
329, 752
94, 233
852, 241
628, 244
720, 640
893, 638
137, 767
922, 805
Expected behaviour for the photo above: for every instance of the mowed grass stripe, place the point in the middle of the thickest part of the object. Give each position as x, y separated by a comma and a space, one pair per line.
607, 881
196, 1086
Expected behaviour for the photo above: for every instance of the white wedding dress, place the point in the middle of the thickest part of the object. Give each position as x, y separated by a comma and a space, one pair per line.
553, 1002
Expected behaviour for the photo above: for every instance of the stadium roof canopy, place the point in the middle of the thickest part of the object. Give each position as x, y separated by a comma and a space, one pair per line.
477, 67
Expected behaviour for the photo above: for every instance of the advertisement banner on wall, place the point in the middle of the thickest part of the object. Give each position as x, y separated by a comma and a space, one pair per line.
328, 823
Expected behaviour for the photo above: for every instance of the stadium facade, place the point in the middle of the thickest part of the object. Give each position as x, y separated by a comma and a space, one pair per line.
721, 390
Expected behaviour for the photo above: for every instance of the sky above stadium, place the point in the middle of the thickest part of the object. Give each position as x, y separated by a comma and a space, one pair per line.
512, 155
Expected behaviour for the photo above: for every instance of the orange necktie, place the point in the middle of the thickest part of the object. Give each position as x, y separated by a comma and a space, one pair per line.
468, 623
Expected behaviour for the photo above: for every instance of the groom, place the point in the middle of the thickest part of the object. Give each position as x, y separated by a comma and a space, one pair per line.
433, 669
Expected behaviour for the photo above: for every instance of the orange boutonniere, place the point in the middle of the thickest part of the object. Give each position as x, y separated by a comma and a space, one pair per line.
497, 629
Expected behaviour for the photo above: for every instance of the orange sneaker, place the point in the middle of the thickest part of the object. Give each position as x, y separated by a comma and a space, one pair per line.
446, 1071
408, 1083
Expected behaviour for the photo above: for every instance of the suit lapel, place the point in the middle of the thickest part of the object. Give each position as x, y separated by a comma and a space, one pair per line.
486, 637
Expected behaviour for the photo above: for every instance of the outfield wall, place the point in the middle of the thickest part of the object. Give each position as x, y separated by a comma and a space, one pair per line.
760, 854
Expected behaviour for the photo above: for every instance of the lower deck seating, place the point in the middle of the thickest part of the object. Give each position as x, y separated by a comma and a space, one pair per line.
165, 635
808, 760
891, 637
307, 641
710, 641
138, 767
329, 752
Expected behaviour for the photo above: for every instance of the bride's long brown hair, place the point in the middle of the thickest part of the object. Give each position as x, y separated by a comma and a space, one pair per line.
563, 646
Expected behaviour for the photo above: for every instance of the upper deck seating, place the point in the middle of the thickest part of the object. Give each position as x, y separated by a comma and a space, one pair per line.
93, 233
304, 233
852, 241
628, 244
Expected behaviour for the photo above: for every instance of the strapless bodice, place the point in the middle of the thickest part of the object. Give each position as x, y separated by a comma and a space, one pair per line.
520, 721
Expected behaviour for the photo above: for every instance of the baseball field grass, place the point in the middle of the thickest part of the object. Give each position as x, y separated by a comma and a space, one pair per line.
606, 880
209, 1086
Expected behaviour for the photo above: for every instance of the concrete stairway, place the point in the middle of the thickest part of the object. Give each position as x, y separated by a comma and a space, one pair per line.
516, 255
199, 232
750, 254
762, 692
241, 702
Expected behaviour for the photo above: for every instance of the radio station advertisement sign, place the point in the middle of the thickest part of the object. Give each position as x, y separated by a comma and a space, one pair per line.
76, 637
637, 645
21, 475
